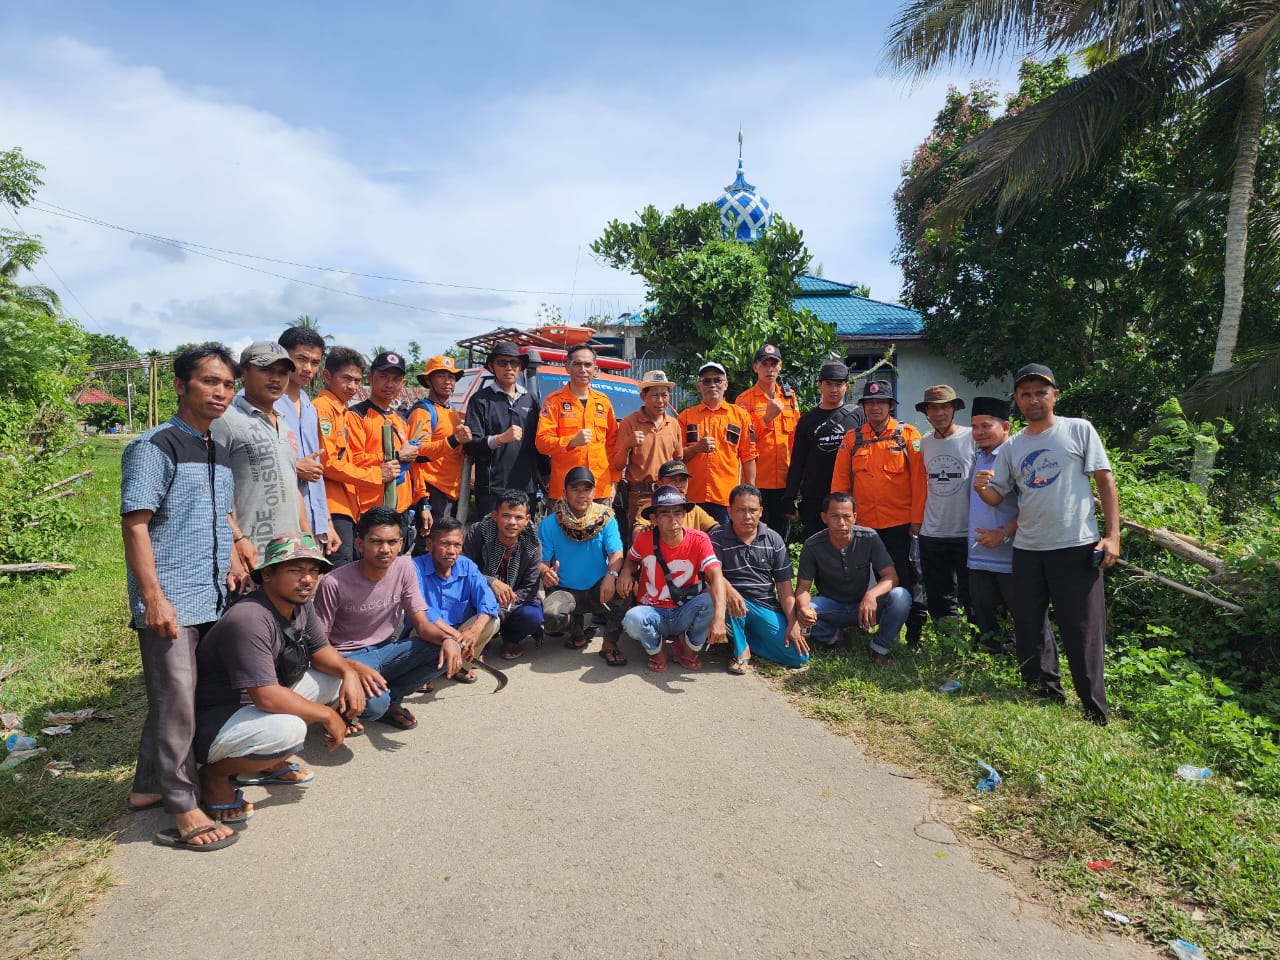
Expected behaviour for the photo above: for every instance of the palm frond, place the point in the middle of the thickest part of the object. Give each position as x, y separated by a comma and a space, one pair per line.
1121, 26
1063, 136
931, 32
1264, 245
1254, 35
1250, 382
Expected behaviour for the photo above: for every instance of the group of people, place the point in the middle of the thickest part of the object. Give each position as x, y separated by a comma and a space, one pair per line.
293, 562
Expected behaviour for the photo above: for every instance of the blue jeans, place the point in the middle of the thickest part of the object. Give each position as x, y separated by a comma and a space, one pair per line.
650, 624
406, 664
891, 613
523, 620
764, 631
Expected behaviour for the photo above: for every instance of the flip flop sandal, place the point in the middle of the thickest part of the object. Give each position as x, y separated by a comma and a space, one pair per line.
464, 676
738, 666
354, 728
613, 657
171, 838
658, 663
690, 661
248, 780
399, 717
512, 651
577, 643
238, 804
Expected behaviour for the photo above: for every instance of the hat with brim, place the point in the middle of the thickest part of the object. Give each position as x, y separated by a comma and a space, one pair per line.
877, 390
291, 546
673, 468
990, 407
712, 366
266, 353
665, 496
654, 378
942, 393
579, 475
506, 348
438, 365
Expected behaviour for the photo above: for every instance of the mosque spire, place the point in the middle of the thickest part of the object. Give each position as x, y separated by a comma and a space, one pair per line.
743, 212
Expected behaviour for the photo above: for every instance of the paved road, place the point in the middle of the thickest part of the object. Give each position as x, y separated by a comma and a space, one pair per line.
583, 812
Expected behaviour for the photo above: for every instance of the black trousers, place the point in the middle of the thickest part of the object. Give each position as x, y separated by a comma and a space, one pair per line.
346, 529
897, 540
811, 516
989, 594
944, 565
1069, 581
719, 512
776, 507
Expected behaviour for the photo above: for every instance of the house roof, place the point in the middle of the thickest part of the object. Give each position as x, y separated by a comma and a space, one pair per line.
89, 397
854, 316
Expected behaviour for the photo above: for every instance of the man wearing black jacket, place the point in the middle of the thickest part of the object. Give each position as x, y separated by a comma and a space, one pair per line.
506, 550
503, 418
818, 437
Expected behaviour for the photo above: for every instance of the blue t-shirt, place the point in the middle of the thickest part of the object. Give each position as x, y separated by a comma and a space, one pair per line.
582, 562
981, 514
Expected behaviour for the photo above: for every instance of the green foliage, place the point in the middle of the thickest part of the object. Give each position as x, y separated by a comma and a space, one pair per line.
720, 299
33, 454
103, 416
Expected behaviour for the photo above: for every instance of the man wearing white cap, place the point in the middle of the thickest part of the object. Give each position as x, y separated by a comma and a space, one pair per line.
719, 444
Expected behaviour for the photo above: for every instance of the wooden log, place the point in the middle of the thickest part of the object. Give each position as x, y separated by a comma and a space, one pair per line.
1181, 587
62, 483
1177, 544
36, 567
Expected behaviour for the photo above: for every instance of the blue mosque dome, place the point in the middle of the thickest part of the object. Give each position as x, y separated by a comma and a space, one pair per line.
743, 212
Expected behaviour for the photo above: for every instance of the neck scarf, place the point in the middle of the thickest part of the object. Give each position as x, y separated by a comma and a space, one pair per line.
580, 529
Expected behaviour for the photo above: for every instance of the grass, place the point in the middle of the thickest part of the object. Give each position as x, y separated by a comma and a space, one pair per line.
69, 635
1195, 861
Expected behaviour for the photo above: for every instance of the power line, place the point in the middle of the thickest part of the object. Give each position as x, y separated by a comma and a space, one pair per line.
55, 210
49, 263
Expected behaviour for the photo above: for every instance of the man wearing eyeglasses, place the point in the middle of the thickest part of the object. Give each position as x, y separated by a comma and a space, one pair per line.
577, 428
719, 444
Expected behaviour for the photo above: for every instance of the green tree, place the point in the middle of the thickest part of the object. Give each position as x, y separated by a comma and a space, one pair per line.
720, 299
1153, 57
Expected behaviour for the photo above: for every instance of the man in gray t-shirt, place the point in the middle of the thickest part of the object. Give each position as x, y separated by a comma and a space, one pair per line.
1057, 551
841, 561
948, 452
263, 451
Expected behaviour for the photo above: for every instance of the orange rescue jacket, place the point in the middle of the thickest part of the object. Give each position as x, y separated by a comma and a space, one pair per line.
348, 471
562, 416
440, 455
773, 439
713, 475
885, 474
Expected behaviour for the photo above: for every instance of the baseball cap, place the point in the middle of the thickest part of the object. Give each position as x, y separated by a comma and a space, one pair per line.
387, 360
266, 353
769, 352
1035, 371
834, 370
579, 475
712, 366
673, 468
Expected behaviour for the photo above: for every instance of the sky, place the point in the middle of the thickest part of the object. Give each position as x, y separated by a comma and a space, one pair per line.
445, 170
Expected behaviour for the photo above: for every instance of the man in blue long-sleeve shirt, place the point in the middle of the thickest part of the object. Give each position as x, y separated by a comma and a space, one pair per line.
457, 592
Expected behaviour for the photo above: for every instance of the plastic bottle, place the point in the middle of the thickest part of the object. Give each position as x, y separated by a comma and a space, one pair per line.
1187, 951
1189, 771
19, 741
949, 686
914, 553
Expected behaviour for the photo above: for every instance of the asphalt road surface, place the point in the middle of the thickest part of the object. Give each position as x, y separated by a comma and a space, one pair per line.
585, 811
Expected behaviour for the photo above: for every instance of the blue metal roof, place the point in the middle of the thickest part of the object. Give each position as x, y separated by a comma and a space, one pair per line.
855, 316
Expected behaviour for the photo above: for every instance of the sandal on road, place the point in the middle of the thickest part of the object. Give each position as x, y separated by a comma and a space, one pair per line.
243, 816
275, 776
512, 651
685, 657
613, 657
399, 717
464, 676
354, 728
577, 643
658, 662
182, 841
738, 665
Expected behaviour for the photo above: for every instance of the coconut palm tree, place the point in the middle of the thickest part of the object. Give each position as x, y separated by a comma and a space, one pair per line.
22, 253
307, 322
1159, 58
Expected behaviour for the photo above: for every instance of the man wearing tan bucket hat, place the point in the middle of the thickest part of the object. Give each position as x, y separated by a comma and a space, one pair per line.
647, 438
440, 434
948, 453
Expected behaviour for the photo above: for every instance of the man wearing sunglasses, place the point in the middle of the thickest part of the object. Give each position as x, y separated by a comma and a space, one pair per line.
719, 444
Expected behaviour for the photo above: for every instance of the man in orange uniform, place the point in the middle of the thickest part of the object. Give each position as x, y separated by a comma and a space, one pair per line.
647, 439
349, 472
719, 444
386, 380
879, 463
577, 428
774, 414
439, 433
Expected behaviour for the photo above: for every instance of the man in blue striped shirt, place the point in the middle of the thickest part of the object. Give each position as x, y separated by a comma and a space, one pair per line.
176, 494
306, 349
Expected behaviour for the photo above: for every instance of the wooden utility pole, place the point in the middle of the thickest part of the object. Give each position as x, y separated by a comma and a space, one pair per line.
153, 394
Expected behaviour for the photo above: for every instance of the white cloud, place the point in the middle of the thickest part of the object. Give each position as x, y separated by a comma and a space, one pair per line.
510, 196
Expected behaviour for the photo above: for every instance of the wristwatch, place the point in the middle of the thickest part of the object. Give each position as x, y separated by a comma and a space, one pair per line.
1004, 536
614, 573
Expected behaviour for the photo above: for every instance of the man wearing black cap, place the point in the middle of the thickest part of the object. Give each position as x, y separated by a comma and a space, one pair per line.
503, 419
581, 563
1057, 551
675, 473
267, 501
880, 466
386, 381
947, 451
819, 434
774, 414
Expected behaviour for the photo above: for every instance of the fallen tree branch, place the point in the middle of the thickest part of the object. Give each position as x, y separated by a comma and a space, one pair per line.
1181, 587
62, 483
1178, 544
36, 567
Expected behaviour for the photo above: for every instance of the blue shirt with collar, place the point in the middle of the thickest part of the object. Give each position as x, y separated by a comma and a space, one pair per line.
305, 425
457, 597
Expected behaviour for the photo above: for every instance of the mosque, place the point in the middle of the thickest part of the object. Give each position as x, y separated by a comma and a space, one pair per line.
866, 328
